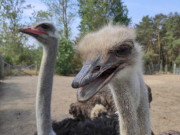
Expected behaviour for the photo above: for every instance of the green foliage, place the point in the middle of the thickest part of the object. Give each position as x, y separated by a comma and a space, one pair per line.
96, 13
67, 62
160, 37
12, 42
177, 61
8, 59
150, 56
145, 28
29, 56
63, 14
40, 16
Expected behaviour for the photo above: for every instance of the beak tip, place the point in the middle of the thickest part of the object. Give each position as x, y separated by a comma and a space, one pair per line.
75, 84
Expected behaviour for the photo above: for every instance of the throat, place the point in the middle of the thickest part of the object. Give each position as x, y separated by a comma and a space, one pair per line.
125, 91
44, 92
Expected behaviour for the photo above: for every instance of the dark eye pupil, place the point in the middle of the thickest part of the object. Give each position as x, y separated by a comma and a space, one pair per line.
123, 50
44, 26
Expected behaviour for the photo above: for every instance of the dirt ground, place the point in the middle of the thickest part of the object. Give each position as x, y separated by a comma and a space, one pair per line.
17, 103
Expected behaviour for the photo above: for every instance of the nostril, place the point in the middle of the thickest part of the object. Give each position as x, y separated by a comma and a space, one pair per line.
96, 69
75, 84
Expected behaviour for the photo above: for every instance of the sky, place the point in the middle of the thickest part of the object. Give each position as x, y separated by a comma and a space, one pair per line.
139, 8
136, 10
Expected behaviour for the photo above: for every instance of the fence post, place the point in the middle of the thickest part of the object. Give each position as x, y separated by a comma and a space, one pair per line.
149, 69
174, 69
36, 67
166, 68
161, 67
1, 67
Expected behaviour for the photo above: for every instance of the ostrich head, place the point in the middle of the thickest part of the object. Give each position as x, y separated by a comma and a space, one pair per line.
44, 32
108, 53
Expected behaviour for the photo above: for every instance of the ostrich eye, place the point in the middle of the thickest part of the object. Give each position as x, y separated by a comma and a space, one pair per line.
123, 49
45, 26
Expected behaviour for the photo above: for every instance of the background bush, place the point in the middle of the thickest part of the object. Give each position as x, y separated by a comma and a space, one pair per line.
67, 62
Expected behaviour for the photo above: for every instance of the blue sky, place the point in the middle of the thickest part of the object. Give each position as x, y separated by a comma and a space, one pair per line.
137, 9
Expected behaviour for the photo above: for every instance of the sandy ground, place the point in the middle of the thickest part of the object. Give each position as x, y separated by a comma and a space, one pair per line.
17, 103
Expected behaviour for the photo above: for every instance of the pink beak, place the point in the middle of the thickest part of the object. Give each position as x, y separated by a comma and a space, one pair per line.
31, 30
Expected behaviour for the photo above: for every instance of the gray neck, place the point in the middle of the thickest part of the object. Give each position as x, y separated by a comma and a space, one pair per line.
127, 92
44, 90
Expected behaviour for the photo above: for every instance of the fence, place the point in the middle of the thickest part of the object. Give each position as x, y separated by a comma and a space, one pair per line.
6, 67
20, 69
176, 70
1, 67
151, 69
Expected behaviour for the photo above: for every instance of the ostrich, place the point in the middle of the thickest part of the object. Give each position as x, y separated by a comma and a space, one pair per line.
46, 34
101, 103
112, 56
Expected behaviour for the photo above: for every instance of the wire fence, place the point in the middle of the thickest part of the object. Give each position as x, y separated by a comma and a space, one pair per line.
157, 68
8, 69
176, 70
151, 69
19, 69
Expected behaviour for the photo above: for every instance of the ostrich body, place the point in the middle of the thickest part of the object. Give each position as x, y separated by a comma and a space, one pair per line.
46, 34
103, 99
111, 56
84, 110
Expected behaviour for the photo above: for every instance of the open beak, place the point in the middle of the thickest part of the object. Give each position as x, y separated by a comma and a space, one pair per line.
90, 79
31, 30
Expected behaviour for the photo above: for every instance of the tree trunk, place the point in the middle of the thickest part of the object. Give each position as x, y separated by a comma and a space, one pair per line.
159, 45
65, 23
149, 43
